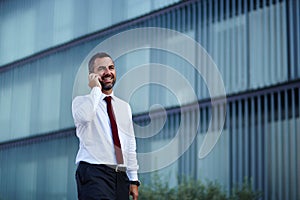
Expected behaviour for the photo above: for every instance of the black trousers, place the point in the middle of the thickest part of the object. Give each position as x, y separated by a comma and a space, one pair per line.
97, 182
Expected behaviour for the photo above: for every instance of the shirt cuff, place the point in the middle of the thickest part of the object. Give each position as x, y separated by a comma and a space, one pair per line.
96, 91
97, 95
132, 175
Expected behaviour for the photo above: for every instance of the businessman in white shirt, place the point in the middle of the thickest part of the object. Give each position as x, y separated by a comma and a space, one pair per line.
107, 164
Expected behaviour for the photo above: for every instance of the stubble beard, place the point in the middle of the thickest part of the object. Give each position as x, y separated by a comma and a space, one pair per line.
107, 87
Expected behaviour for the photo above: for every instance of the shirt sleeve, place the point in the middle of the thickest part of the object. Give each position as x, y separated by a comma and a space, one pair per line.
132, 165
84, 107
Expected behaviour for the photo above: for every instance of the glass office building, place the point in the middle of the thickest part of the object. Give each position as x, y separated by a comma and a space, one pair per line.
254, 43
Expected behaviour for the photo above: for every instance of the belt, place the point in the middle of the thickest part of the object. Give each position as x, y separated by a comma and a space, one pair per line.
116, 168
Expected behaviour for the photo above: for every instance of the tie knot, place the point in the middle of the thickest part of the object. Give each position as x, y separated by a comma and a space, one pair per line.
107, 99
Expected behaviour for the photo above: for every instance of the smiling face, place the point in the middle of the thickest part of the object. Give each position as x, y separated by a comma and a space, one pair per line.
105, 68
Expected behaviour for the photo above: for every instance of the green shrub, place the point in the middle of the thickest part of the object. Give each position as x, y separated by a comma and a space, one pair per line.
193, 190
157, 190
246, 192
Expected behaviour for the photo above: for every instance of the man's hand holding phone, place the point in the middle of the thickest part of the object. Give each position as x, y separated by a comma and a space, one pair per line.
94, 80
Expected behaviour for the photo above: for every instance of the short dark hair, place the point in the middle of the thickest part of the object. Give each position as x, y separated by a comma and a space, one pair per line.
92, 60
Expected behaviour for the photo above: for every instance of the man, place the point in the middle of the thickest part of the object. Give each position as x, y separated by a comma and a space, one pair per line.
107, 164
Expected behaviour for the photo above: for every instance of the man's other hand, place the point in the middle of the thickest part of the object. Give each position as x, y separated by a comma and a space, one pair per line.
134, 191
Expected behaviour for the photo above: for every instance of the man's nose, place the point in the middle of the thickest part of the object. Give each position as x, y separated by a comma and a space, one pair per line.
105, 71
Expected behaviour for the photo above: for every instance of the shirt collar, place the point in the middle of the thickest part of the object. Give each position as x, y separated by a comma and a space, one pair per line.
112, 96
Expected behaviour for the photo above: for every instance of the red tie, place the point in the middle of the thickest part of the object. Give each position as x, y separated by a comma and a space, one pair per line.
114, 130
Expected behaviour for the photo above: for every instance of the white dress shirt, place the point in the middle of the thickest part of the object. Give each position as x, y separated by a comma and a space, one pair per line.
94, 131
